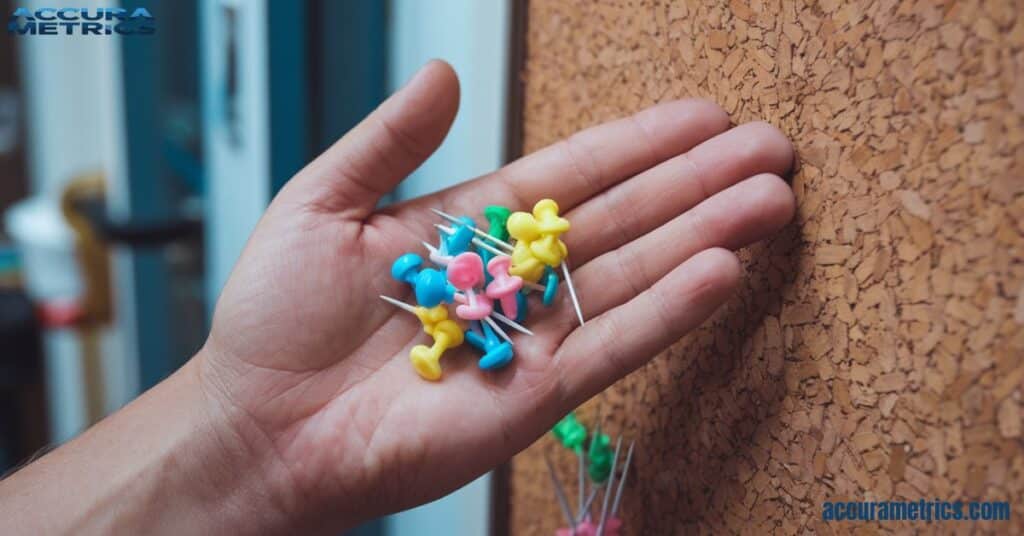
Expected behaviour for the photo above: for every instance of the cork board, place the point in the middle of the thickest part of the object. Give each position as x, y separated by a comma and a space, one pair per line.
876, 350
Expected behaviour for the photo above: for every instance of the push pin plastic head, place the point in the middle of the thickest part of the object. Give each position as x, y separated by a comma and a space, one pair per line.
548, 220
570, 432
497, 353
523, 227
600, 457
430, 286
427, 360
497, 216
406, 267
504, 287
459, 241
466, 272
446, 333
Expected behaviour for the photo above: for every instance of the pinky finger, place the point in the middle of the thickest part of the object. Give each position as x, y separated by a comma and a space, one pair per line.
622, 339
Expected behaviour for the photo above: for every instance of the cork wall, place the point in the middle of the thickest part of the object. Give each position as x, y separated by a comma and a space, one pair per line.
876, 350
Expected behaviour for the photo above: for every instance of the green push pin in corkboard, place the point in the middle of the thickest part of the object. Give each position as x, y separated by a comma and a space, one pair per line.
570, 432
600, 457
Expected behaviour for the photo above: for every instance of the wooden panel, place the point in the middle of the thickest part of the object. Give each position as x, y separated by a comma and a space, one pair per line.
876, 350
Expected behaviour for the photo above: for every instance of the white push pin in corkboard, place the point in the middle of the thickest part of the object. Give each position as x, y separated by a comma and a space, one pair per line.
877, 349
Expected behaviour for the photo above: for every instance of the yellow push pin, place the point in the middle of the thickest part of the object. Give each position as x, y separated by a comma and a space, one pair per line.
446, 333
538, 244
550, 226
523, 227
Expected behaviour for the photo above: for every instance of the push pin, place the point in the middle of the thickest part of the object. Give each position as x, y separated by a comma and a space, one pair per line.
497, 353
537, 241
466, 272
446, 333
504, 287
462, 236
496, 216
457, 221
430, 286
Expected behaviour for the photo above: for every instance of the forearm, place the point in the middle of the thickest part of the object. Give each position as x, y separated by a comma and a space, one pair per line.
164, 463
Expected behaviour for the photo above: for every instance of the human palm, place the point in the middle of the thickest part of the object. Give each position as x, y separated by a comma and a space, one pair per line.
313, 368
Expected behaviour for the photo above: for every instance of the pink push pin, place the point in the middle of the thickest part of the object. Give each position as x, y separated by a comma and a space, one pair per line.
504, 286
465, 272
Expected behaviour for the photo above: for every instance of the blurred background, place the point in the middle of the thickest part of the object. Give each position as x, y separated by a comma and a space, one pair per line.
132, 169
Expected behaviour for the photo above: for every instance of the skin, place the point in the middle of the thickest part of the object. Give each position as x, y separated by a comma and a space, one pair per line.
302, 412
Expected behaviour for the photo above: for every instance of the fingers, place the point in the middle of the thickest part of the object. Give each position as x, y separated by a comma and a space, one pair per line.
384, 148
735, 217
620, 340
635, 207
590, 161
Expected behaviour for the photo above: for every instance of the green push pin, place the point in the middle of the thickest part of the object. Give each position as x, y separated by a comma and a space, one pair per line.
497, 215
570, 432
600, 457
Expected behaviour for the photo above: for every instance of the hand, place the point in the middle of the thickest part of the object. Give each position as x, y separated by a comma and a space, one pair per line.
314, 368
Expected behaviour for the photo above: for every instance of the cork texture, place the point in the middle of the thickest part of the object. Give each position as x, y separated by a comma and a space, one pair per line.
876, 350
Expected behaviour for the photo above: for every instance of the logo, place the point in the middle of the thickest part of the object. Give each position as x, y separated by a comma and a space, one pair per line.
81, 21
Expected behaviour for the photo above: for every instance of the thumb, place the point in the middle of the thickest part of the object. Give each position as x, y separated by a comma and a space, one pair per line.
391, 142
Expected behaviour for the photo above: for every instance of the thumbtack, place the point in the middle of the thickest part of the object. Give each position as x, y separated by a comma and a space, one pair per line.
446, 333
430, 286
497, 353
503, 287
466, 271
478, 232
461, 235
496, 216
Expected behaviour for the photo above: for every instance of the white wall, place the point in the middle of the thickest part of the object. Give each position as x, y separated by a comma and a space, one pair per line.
471, 35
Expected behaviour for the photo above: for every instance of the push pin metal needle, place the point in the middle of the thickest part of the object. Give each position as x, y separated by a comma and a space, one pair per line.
478, 232
608, 488
398, 303
622, 481
572, 290
560, 493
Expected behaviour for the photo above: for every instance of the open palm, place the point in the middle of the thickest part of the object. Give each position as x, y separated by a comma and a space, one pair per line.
314, 368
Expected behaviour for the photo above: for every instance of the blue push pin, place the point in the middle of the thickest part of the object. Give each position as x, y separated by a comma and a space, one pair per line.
430, 285
497, 353
550, 286
459, 240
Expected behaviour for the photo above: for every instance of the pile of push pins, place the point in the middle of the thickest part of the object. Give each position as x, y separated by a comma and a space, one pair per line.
600, 463
482, 296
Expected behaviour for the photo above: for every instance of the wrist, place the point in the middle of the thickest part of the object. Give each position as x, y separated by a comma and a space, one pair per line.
168, 462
